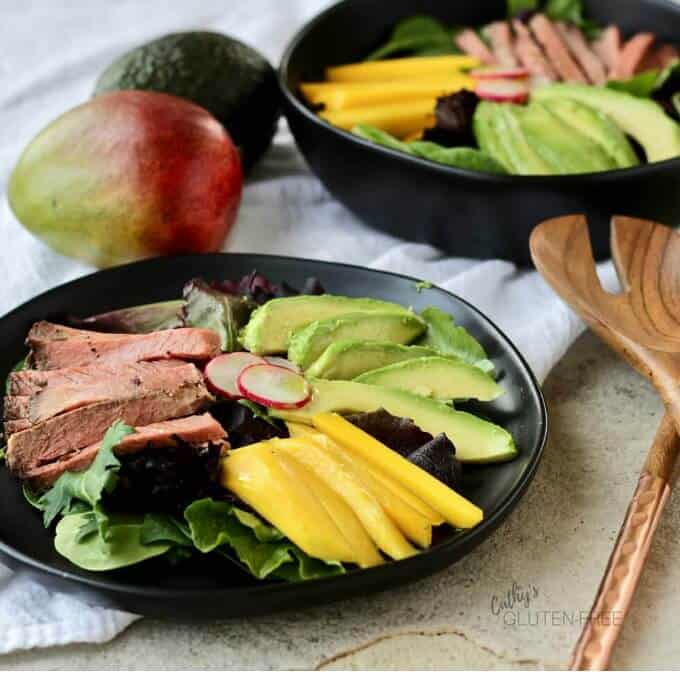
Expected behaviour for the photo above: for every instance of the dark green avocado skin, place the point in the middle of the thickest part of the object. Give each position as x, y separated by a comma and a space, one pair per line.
223, 75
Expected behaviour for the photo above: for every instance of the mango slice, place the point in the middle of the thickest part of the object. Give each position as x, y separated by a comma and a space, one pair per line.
363, 548
341, 479
255, 475
399, 119
301, 430
415, 526
337, 96
400, 69
458, 511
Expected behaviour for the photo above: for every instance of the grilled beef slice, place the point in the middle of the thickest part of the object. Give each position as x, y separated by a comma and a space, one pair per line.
584, 55
54, 346
501, 40
556, 50
36, 396
76, 429
531, 56
469, 42
632, 54
162, 435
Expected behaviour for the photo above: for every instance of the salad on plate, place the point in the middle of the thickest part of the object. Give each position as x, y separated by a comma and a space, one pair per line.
296, 434
541, 91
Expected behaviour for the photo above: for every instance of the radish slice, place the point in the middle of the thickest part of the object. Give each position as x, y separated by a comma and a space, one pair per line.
284, 363
500, 73
274, 386
515, 91
222, 372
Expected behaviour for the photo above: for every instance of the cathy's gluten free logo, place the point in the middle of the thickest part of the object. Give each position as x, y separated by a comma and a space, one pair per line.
514, 599
517, 606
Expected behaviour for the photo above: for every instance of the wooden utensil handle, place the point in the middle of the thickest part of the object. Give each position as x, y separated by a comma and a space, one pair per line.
621, 577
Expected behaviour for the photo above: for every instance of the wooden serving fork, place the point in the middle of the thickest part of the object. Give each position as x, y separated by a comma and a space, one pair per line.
642, 324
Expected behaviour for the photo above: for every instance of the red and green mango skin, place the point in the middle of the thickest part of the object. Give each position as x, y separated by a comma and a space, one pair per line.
129, 175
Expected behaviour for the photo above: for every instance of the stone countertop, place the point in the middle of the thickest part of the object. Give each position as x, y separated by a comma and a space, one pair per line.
552, 550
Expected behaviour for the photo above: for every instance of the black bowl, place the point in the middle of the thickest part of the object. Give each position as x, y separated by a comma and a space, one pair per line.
462, 212
213, 588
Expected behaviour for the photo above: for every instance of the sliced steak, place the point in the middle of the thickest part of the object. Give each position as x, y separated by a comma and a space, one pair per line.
469, 42
36, 396
555, 49
632, 54
32, 382
658, 58
531, 56
587, 59
53, 346
47, 331
189, 430
607, 47
665, 55
500, 37
76, 429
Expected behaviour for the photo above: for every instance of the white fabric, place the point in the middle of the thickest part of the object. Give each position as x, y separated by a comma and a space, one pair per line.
51, 54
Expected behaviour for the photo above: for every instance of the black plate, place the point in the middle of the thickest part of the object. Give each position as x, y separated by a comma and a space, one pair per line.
462, 212
213, 589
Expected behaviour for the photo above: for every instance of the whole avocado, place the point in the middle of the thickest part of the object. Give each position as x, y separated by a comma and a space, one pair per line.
231, 80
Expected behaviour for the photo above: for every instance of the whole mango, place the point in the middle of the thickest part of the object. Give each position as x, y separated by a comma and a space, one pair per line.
128, 175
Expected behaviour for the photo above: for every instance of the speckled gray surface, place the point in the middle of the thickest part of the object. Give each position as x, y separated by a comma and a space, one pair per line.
553, 548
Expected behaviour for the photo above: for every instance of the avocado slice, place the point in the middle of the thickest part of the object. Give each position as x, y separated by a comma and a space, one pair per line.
223, 75
597, 126
270, 326
642, 119
563, 147
436, 377
307, 344
523, 157
487, 136
476, 440
346, 359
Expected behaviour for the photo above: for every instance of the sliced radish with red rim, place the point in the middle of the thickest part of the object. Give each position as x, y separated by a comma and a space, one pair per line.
499, 73
283, 363
510, 91
274, 386
222, 372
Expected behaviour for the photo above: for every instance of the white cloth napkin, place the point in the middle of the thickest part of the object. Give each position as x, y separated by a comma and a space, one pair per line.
51, 56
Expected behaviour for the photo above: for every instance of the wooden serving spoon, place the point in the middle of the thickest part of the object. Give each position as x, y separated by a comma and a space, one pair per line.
642, 323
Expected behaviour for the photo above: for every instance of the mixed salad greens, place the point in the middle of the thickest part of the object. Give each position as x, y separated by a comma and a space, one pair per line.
290, 489
543, 91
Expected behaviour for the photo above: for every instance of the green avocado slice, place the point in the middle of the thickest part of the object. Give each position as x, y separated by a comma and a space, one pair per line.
563, 147
346, 359
436, 377
642, 119
271, 325
523, 156
307, 344
597, 126
476, 440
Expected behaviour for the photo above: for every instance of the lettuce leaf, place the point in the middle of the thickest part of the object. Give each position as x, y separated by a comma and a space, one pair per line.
458, 157
641, 85
570, 11
216, 525
74, 489
78, 540
209, 307
445, 337
417, 36
156, 316
516, 7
